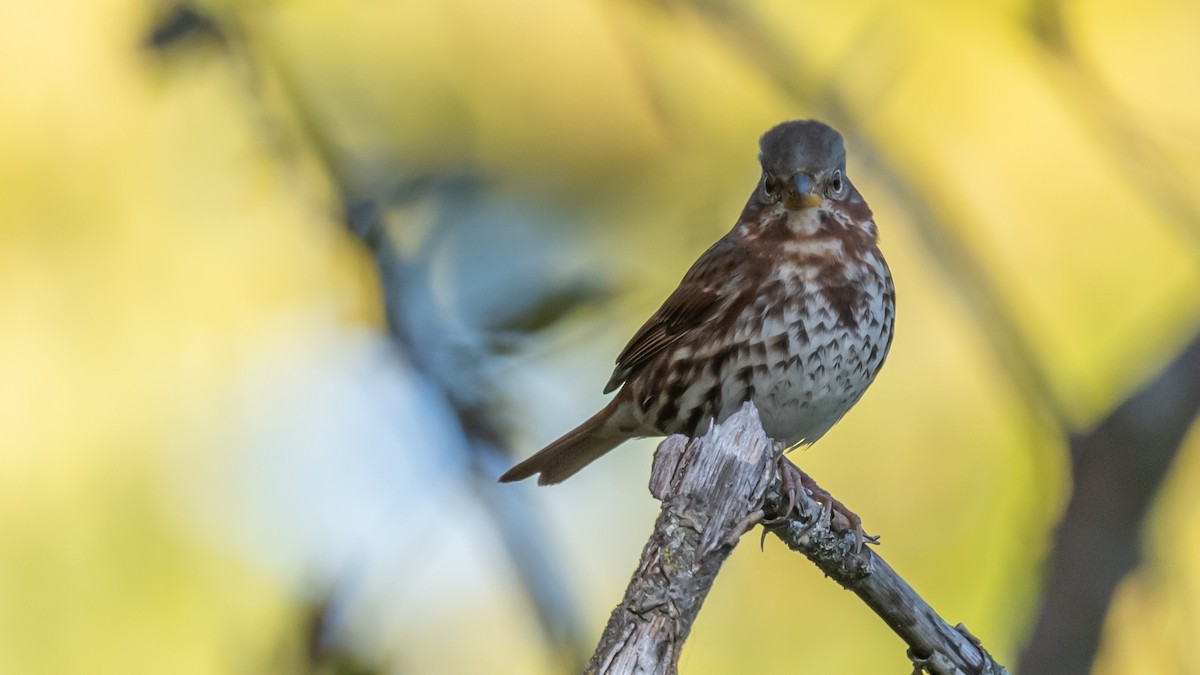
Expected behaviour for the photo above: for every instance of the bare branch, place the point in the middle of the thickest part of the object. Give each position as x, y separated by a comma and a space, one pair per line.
713, 490
933, 646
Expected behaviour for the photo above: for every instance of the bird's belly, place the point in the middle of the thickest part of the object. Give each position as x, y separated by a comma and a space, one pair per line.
800, 391
802, 378
800, 398
804, 364
807, 388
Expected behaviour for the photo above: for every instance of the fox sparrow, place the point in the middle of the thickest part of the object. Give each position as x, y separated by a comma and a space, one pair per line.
792, 309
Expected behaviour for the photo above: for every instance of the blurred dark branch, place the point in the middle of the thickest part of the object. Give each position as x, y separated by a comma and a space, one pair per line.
1118, 468
516, 523
713, 490
1118, 130
321, 655
515, 520
294, 131
180, 23
946, 245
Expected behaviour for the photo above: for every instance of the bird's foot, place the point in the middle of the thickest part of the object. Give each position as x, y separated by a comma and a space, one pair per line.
794, 479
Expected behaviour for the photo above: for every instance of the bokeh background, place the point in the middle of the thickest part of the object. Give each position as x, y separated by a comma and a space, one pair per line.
285, 285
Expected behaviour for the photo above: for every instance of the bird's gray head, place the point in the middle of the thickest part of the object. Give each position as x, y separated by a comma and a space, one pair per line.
803, 161
804, 145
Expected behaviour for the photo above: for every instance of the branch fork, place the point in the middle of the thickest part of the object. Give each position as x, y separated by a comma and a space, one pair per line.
713, 490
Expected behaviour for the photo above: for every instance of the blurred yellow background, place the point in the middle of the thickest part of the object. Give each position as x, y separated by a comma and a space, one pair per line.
205, 431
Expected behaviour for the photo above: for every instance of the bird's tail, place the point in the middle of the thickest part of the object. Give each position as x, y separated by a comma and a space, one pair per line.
576, 449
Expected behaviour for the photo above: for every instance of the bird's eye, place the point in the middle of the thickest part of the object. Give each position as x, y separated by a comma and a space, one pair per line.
769, 186
836, 184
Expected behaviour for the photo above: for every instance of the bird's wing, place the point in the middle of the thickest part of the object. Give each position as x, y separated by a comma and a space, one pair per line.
693, 304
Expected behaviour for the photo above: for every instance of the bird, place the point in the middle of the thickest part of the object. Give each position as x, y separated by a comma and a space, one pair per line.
793, 309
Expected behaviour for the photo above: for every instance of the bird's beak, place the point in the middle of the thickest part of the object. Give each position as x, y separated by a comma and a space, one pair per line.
806, 192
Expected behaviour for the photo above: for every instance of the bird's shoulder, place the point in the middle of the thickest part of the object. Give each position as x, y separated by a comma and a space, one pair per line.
715, 279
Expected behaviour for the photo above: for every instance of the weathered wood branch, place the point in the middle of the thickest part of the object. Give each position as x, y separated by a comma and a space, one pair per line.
713, 490
933, 645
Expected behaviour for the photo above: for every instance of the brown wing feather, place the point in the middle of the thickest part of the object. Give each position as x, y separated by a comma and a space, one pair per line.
692, 304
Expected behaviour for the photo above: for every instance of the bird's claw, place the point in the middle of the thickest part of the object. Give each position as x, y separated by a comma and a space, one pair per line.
838, 515
790, 484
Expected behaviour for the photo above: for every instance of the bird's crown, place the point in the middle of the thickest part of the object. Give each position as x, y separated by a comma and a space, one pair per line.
802, 145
